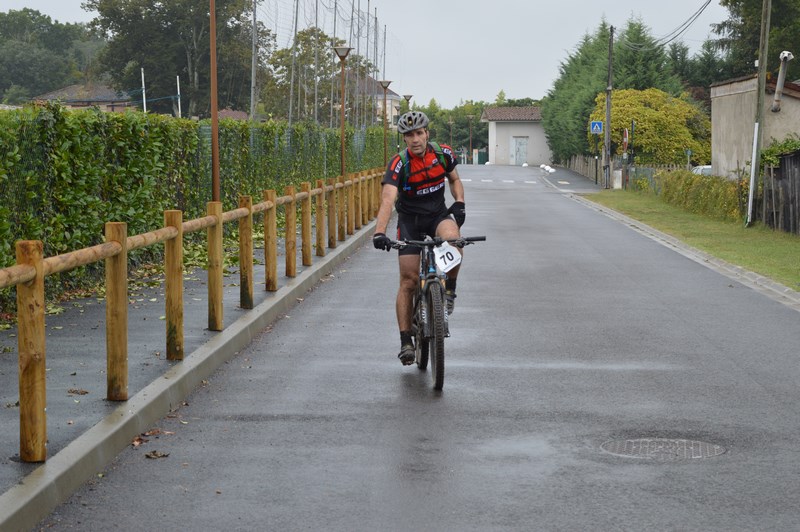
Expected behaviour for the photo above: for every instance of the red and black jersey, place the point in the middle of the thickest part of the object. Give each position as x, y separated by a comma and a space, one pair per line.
421, 184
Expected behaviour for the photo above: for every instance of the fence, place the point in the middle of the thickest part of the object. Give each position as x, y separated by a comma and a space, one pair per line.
781, 201
348, 203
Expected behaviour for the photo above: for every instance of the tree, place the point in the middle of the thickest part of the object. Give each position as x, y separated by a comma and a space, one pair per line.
665, 126
740, 34
38, 55
566, 108
641, 63
172, 38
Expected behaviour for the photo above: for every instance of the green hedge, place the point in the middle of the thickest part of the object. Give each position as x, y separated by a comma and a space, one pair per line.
712, 196
65, 173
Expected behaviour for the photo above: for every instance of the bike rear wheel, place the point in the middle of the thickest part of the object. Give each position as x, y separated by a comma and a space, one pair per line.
436, 341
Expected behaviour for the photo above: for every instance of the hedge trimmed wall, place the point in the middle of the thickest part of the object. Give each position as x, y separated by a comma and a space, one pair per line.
65, 173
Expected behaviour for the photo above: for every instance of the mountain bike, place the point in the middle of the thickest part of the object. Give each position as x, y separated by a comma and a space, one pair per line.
430, 320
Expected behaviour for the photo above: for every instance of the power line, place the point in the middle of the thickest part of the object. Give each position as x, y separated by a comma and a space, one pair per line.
669, 37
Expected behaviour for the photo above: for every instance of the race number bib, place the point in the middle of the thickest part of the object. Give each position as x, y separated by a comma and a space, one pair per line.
447, 257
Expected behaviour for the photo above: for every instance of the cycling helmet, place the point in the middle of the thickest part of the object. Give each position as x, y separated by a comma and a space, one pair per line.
412, 120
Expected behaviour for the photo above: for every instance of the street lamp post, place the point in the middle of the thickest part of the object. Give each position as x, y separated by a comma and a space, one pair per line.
385, 85
341, 52
408, 100
469, 158
397, 132
450, 121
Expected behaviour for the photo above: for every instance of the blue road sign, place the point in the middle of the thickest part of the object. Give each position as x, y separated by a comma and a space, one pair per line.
597, 127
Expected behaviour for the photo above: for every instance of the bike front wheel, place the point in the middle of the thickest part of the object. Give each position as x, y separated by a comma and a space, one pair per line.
420, 341
436, 341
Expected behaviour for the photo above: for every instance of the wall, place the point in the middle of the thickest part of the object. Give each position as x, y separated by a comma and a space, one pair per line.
733, 109
500, 142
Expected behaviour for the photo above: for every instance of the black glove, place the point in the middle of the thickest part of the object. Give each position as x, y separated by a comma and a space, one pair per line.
459, 212
381, 241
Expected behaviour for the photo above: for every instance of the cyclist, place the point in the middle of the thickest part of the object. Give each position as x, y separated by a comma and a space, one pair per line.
414, 184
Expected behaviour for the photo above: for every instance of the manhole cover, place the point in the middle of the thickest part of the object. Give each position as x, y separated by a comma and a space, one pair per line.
663, 449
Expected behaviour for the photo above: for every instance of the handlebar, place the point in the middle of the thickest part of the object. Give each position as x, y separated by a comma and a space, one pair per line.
438, 241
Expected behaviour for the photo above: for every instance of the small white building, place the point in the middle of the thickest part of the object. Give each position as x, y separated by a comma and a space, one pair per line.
516, 136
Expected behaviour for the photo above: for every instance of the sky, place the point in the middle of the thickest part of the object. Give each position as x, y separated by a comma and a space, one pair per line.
459, 50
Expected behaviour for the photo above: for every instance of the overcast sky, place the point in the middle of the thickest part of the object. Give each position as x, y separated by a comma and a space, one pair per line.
458, 50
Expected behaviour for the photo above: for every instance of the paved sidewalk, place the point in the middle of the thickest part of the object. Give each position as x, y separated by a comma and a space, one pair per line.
85, 431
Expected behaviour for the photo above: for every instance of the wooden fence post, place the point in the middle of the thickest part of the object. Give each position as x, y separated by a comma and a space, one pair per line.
305, 223
246, 254
340, 202
366, 212
290, 209
215, 294
117, 314
173, 275
320, 223
351, 211
31, 348
271, 242
330, 198
358, 197
378, 191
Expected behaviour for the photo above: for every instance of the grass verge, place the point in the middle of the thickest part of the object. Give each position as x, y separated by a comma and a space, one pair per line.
773, 254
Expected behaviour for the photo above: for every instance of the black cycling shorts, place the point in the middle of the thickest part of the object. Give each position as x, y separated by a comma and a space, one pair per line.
416, 226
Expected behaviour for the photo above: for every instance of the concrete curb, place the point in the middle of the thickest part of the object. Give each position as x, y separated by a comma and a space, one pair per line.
773, 290
38, 494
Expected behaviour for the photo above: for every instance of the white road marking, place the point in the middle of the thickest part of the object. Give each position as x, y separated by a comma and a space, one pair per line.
531, 182
486, 180
467, 180
563, 182
508, 181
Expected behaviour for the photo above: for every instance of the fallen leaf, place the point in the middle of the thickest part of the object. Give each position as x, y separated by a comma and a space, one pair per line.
76, 391
156, 454
138, 440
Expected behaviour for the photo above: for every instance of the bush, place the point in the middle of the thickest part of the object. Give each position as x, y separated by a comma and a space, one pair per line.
713, 196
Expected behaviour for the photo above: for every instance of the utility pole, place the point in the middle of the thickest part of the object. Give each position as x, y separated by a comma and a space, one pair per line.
253, 63
755, 164
607, 138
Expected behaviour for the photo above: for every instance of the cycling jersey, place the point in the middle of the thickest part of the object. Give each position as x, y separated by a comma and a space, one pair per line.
422, 191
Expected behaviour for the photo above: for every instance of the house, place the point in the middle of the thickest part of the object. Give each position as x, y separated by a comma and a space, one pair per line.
82, 96
733, 111
516, 136
371, 90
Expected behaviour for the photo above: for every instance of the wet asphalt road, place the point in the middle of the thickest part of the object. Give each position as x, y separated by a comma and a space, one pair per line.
571, 331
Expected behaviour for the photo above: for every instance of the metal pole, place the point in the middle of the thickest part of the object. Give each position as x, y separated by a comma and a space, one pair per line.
607, 139
214, 108
144, 95
755, 165
385, 85
179, 96
342, 118
253, 62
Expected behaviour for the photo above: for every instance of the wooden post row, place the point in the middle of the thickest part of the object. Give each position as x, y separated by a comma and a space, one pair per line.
330, 198
117, 314
290, 240
31, 348
271, 242
305, 224
320, 220
215, 293
246, 254
173, 284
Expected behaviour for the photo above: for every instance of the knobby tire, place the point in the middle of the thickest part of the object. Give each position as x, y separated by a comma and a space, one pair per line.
420, 341
436, 341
